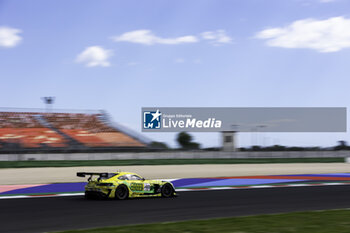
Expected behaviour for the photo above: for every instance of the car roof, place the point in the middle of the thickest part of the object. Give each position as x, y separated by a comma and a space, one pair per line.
126, 173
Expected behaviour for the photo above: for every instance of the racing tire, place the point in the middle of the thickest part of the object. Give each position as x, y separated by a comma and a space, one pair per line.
167, 190
122, 192
89, 196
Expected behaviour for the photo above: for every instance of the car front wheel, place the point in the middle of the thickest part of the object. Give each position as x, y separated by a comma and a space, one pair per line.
167, 190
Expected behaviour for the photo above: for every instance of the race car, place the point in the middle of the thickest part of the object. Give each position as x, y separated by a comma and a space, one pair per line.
123, 185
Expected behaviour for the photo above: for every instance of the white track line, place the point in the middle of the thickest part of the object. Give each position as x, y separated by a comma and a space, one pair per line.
41, 196
260, 186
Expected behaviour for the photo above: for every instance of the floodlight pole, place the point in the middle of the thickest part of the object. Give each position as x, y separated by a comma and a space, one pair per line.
48, 101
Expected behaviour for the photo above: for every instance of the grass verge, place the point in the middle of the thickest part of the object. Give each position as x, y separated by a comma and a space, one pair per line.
330, 221
83, 163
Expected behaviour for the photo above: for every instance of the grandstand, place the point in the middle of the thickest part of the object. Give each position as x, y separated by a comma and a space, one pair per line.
35, 129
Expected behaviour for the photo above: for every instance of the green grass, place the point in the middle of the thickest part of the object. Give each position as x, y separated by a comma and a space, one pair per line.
331, 221
79, 163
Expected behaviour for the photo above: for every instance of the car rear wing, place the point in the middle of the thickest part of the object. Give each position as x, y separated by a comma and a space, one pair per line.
101, 174
90, 174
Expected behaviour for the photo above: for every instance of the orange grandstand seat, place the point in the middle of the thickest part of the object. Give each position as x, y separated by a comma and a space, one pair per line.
18, 120
32, 137
89, 122
85, 137
119, 139
25, 129
89, 130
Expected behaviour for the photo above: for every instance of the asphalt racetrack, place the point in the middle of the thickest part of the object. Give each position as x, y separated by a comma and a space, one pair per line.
64, 213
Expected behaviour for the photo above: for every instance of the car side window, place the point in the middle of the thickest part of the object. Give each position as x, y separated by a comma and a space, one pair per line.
122, 178
135, 177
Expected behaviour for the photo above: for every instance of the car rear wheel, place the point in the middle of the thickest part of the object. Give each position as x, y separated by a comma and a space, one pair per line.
122, 192
89, 196
167, 190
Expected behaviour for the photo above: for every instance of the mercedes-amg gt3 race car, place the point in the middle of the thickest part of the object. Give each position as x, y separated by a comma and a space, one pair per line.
123, 185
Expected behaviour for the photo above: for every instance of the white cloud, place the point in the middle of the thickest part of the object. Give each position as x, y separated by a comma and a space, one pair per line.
148, 38
95, 56
217, 37
330, 35
9, 37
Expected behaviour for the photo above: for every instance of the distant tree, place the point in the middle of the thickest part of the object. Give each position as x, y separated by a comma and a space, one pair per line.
185, 141
296, 148
212, 148
342, 145
256, 148
278, 148
193, 146
316, 148
159, 145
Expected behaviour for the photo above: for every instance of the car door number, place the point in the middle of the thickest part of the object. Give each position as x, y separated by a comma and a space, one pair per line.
136, 186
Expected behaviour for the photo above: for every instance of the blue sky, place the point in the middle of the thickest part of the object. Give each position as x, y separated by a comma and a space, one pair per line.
123, 55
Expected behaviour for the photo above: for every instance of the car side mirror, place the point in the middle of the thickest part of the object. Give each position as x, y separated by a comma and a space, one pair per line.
143, 179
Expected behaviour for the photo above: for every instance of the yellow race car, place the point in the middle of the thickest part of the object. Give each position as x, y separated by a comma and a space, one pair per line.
123, 185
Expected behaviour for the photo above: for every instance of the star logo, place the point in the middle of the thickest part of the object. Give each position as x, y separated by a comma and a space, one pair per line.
152, 119
156, 115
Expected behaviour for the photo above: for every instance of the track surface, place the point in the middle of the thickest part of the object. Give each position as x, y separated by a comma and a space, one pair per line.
64, 213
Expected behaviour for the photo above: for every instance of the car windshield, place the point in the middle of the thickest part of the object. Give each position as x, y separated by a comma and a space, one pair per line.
135, 177
109, 175
122, 178
130, 177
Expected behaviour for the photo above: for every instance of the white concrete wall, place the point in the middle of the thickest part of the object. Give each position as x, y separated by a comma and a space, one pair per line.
231, 144
174, 155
